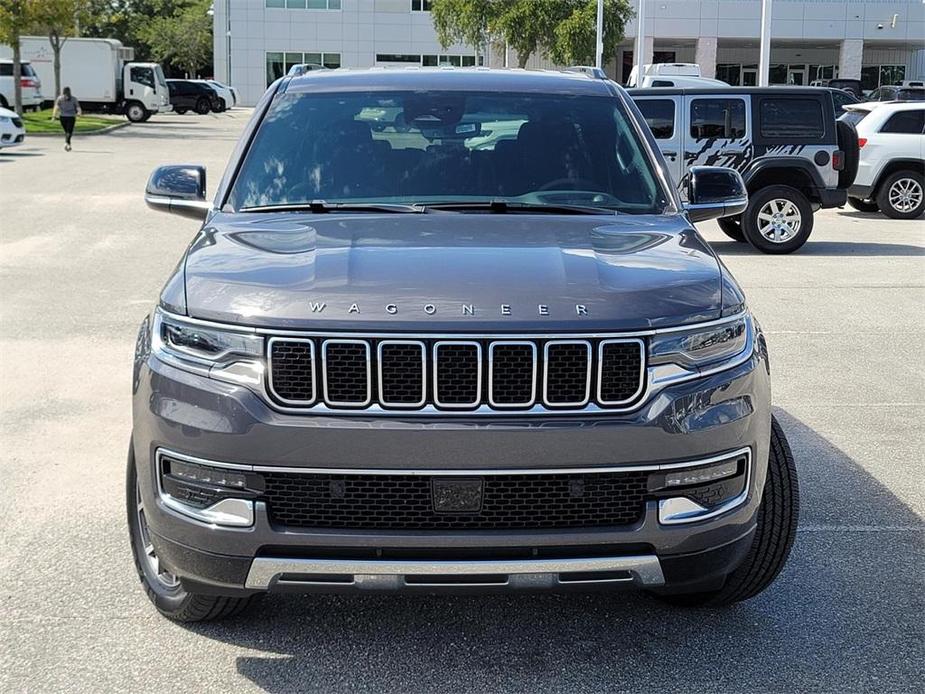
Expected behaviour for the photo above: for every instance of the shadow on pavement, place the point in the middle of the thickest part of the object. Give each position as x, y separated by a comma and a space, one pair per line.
828, 248
840, 617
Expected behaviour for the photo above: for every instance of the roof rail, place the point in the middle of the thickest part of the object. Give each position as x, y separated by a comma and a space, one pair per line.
589, 70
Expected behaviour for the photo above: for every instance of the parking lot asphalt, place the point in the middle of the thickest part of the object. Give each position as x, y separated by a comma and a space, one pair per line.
82, 259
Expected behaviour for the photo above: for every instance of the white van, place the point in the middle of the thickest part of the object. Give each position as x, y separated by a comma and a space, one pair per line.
31, 85
680, 75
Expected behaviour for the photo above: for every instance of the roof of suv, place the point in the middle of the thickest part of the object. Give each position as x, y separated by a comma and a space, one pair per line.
462, 79
773, 91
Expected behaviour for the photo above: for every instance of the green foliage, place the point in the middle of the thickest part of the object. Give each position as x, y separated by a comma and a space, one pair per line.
575, 37
562, 30
15, 16
183, 39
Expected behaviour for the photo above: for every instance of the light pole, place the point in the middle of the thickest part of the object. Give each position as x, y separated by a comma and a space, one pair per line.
639, 49
600, 34
764, 57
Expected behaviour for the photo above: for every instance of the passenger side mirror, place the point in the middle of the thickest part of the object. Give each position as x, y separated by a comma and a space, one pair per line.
713, 192
178, 189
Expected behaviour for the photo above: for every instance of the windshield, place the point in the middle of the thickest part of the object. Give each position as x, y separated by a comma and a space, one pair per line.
429, 147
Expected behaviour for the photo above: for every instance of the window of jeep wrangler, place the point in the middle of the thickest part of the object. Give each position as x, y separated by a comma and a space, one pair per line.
717, 118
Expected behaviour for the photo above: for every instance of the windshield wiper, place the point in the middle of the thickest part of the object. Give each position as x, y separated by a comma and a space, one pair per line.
505, 206
320, 206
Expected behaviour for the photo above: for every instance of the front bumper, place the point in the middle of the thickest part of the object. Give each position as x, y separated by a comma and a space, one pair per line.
199, 417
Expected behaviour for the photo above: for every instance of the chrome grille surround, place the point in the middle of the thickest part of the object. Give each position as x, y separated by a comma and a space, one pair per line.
558, 343
325, 373
492, 346
380, 360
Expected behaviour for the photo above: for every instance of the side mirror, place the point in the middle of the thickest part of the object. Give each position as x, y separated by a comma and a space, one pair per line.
713, 192
178, 189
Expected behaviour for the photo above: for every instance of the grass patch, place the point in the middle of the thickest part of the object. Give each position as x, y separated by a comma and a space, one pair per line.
41, 122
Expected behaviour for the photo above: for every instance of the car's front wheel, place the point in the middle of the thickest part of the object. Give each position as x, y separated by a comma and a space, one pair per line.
901, 196
180, 110
863, 205
162, 586
135, 112
778, 219
774, 535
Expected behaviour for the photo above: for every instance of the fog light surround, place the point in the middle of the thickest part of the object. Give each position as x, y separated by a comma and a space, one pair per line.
212, 494
728, 479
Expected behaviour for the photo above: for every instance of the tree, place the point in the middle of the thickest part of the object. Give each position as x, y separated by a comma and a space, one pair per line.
58, 19
527, 25
464, 21
183, 39
15, 18
575, 38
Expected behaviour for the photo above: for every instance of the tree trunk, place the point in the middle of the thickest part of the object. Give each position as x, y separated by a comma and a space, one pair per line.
522, 59
56, 43
17, 75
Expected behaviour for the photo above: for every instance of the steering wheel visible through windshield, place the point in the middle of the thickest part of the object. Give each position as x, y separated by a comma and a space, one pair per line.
433, 147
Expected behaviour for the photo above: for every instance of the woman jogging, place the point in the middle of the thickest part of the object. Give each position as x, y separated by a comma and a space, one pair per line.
67, 108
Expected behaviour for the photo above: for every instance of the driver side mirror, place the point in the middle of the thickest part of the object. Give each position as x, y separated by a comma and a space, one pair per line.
713, 192
178, 189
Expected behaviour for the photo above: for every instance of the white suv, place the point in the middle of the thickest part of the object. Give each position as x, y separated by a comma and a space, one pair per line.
31, 85
892, 163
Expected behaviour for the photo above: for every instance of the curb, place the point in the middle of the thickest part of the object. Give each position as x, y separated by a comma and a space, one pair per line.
101, 131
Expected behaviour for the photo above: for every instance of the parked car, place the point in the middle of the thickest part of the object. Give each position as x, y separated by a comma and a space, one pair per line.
225, 97
672, 75
853, 86
12, 130
897, 93
228, 93
390, 362
892, 161
190, 95
841, 98
30, 83
785, 142
302, 68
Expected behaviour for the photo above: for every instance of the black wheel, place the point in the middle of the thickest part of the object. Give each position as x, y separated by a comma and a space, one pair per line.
851, 153
164, 588
732, 227
778, 219
901, 195
863, 205
135, 112
777, 527
202, 106
219, 106
180, 110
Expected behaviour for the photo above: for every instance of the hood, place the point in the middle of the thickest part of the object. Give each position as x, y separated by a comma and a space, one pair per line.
451, 271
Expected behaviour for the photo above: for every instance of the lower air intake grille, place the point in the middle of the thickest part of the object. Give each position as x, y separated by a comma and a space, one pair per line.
396, 502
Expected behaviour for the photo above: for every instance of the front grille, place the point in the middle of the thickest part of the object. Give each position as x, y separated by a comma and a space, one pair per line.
406, 502
456, 375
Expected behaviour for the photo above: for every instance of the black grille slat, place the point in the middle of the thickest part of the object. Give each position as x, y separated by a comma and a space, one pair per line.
567, 369
513, 374
401, 373
457, 368
293, 370
346, 372
620, 365
404, 502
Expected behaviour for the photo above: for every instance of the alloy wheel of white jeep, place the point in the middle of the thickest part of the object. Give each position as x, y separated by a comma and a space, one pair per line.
905, 195
779, 220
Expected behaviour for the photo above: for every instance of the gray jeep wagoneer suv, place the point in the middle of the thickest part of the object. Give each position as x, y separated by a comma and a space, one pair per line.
452, 330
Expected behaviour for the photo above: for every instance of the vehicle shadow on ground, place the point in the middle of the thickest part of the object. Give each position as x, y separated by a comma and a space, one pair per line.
12, 156
828, 248
840, 617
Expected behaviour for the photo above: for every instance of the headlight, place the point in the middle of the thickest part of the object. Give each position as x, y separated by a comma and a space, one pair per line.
702, 347
229, 355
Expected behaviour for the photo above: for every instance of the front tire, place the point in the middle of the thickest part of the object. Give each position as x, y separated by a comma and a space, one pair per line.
778, 219
732, 227
774, 535
180, 111
163, 587
902, 195
863, 205
135, 112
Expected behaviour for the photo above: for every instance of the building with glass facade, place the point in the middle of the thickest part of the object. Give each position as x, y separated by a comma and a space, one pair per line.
879, 42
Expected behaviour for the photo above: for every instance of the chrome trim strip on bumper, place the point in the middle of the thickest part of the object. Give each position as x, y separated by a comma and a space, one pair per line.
266, 572
475, 472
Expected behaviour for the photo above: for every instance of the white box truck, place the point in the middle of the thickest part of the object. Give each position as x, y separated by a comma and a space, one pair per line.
100, 74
